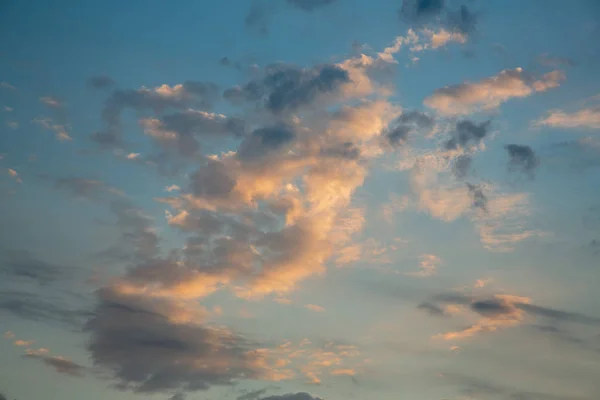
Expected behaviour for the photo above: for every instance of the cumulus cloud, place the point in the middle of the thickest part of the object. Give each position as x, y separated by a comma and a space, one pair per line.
490, 93
585, 118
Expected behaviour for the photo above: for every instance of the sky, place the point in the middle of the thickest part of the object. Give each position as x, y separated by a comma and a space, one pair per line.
300, 200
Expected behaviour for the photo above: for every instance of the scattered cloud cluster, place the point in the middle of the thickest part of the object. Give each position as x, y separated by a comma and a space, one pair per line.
490, 93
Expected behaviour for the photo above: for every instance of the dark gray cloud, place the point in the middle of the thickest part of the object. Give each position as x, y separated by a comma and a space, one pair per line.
462, 20
287, 88
37, 308
558, 315
22, 264
309, 5
419, 10
346, 151
468, 133
264, 141
188, 126
292, 396
158, 100
496, 306
60, 364
461, 166
252, 394
491, 307
522, 158
594, 246
134, 338
100, 82
138, 239
258, 18
407, 124
476, 387
88, 189
213, 180
478, 198
431, 309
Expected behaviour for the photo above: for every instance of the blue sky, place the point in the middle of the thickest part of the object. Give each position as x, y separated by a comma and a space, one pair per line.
300, 200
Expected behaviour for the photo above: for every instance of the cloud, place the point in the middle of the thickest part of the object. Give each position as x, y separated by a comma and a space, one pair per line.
263, 141
22, 264
100, 82
428, 264
292, 396
500, 311
178, 133
553, 61
252, 394
491, 92
23, 343
157, 345
14, 174
463, 20
12, 125
406, 125
157, 100
287, 88
172, 188
418, 10
431, 309
258, 18
37, 308
315, 308
442, 37
88, 189
61, 131
138, 241
467, 133
6, 85
462, 166
585, 118
580, 154
309, 5
51, 102
522, 158
60, 364
480, 200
